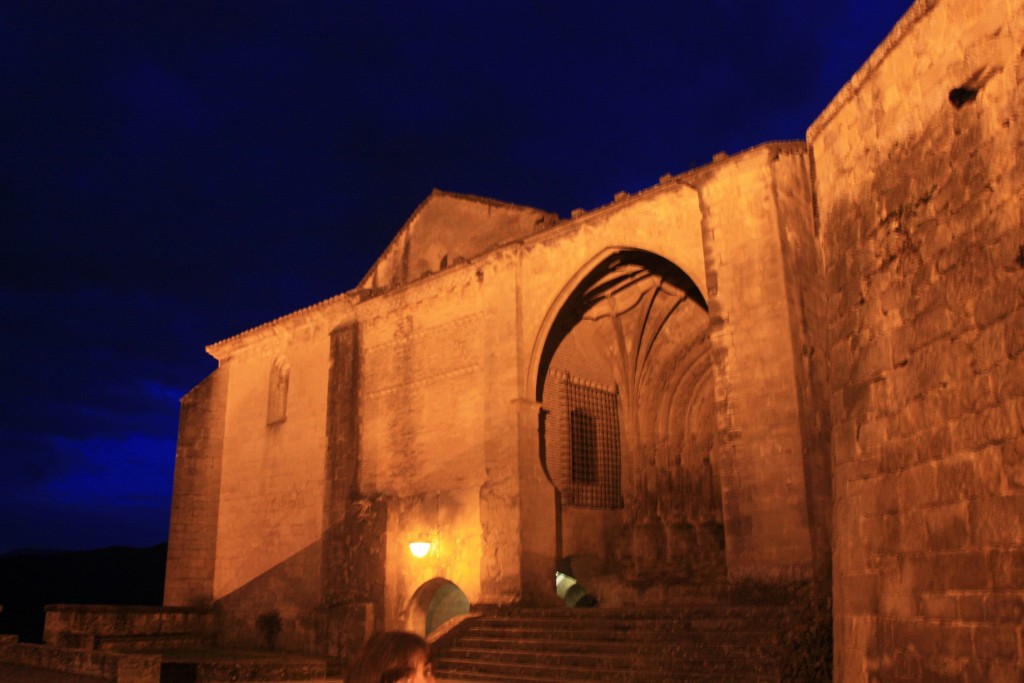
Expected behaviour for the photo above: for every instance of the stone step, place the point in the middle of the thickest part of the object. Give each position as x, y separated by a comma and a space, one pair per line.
476, 677
710, 641
694, 648
460, 668
688, 634
729, 623
587, 613
596, 658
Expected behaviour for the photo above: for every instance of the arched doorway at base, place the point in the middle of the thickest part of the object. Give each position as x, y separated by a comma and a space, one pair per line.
434, 603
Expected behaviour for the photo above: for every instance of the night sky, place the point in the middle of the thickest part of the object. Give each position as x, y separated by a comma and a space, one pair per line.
173, 173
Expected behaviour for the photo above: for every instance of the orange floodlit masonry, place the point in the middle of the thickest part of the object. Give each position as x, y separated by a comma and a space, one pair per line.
802, 361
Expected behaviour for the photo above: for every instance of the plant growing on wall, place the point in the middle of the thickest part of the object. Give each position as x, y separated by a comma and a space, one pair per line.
269, 626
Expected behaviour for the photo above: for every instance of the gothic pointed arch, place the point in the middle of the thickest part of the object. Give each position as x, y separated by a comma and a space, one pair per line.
625, 383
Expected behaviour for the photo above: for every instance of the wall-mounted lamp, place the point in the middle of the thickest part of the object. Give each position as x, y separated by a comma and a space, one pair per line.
419, 548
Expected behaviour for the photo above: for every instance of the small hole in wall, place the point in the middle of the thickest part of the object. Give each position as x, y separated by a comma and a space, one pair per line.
1020, 256
962, 95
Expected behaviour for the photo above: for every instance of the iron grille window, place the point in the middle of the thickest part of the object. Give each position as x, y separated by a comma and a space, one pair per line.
583, 447
595, 463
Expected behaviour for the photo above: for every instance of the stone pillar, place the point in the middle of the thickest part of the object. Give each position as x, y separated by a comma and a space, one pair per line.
760, 444
538, 513
192, 543
499, 494
355, 530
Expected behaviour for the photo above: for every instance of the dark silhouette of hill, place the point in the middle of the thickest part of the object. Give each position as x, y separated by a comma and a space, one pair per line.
108, 576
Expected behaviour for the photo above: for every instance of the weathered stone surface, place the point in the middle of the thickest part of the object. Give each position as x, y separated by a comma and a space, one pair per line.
924, 226
805, 359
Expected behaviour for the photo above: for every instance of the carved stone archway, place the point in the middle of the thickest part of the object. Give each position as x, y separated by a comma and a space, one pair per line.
627, 395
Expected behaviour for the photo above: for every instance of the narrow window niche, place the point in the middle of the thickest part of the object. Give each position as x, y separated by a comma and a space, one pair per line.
277, 398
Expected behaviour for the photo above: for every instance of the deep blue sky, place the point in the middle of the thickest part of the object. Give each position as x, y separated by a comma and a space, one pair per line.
173, 173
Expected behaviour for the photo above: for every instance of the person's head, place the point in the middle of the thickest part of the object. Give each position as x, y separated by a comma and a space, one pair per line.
393, 657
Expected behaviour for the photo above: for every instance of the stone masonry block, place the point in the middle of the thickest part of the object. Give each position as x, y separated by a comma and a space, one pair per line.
999, 671
1012, 461
990, 348
969, 433
932, 365
861, 594
881, 398
1006, 568
993, 305
913, 531
1004, 421
995, 641
868, 467
931, 325
959, 570
872, 534
1015, 333
956, 481
870, 436
1005, 607
902, 342
872, 360
997, 521
971, 607
988, 470
933, 444
939, 606
1011, 383
951, 640
918, 485
971, 396
897, 454
887, 494
947, 527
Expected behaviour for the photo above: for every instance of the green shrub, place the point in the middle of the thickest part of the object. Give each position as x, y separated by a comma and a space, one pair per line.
269, 626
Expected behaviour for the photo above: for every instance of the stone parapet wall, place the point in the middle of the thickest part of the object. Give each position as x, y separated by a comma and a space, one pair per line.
918, 178
94, 626
108, 666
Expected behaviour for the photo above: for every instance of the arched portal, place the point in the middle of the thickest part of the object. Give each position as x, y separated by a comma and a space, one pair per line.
628, 423
434, 603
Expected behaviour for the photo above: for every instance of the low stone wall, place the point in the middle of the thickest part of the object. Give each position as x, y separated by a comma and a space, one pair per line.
120, 668
212, 672
126, 627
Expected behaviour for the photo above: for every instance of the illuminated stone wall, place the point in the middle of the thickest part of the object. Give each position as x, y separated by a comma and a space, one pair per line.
192, 545
272, 478
334, 436
816, 353
919, 178
758, 224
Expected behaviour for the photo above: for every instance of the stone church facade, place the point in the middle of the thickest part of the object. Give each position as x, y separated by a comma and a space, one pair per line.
804, 360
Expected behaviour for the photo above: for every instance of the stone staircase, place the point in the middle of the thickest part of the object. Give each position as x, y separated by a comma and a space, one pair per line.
714, 639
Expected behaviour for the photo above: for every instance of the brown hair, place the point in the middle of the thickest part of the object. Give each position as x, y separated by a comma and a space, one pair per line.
388, 657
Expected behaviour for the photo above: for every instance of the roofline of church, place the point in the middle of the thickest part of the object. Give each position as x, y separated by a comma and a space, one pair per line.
223, 348
692, 177
419, 208
917, 11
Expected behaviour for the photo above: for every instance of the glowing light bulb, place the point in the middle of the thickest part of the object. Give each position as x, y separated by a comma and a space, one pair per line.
419, 548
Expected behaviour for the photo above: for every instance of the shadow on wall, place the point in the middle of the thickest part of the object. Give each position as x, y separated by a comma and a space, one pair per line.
289, 590
943, 259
